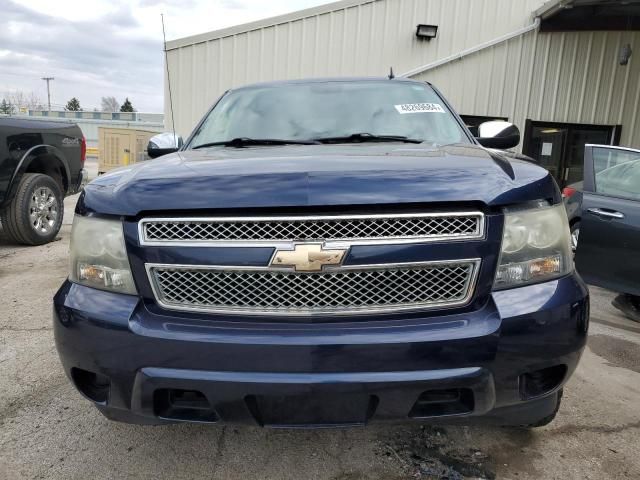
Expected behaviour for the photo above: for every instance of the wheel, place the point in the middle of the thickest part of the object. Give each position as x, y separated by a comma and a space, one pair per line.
575, 233
34, 216
549, 418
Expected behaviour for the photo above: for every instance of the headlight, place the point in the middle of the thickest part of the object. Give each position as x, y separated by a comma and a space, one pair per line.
535, 246
98, 255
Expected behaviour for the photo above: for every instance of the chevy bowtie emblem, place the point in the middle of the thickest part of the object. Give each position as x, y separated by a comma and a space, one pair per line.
307, 257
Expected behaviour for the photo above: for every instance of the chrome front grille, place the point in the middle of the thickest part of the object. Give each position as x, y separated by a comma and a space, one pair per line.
336, 290
351, 228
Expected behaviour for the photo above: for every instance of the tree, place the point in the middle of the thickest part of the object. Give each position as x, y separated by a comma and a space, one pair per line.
73, 105
109, 104
127, 106
23, 102
6, 107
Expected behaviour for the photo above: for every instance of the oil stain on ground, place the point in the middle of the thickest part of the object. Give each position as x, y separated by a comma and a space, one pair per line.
618, 352
428, 454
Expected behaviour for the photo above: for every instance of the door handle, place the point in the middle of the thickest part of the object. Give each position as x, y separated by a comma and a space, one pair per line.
605, 213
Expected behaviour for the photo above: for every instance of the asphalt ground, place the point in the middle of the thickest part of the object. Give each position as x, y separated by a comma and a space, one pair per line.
48, 431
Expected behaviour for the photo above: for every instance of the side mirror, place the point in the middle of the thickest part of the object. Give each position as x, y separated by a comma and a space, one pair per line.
498, 134
163, 144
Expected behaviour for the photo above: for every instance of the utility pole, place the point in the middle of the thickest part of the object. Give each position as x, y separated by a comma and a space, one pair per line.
48, 79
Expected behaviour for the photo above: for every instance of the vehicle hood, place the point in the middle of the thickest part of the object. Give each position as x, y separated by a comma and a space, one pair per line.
318, 175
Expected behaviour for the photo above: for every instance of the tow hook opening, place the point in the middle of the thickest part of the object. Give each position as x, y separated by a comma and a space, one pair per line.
437, 403
183, 405
92, 385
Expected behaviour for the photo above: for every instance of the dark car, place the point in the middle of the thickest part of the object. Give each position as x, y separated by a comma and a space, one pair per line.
321, 253
609, 249
40, 163
572, 194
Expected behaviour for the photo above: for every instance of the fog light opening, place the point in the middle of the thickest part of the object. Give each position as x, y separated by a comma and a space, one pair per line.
183, 405
92, 385
541, 382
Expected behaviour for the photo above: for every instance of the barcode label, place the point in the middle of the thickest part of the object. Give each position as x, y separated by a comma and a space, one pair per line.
419, 108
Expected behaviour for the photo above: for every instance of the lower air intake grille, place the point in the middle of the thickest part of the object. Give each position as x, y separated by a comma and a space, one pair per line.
345, 290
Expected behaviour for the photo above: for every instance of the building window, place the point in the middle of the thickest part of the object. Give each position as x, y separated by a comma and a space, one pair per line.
559, 147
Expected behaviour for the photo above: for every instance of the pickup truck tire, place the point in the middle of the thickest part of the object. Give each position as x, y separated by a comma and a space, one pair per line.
34, 216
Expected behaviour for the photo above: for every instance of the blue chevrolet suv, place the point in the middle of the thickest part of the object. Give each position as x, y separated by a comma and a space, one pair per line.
324, 253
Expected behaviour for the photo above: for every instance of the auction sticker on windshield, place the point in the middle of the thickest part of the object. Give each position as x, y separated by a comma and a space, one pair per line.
419, 108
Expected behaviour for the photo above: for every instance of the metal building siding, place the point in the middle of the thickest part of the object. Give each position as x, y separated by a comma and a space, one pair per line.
571, 77
341, 39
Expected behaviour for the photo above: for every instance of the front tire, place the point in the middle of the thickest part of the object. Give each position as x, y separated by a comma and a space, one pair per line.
34, 216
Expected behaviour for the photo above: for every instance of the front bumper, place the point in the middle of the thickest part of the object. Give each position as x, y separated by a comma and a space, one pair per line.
309, 374
80, 182
84, 178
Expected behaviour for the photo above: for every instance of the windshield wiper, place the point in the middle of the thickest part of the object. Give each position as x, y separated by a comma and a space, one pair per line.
245, 142
367, 137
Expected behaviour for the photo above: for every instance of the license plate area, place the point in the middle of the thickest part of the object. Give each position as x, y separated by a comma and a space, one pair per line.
318, 409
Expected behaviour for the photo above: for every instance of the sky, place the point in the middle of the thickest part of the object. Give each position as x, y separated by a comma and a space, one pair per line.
96, 48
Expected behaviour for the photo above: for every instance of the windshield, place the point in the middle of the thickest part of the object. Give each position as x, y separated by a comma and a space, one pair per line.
331, 111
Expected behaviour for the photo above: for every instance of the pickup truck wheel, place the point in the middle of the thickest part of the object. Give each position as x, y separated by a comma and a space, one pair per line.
34, 216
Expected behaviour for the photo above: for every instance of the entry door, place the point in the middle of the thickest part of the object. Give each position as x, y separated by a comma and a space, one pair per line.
559, 147
608, 253
547, 146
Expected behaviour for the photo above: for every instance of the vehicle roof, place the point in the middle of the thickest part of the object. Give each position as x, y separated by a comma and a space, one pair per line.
276, 83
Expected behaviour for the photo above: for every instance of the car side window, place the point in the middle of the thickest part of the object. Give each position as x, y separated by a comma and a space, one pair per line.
617, 172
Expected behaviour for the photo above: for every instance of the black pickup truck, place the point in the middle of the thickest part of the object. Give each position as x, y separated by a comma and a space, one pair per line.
40, 163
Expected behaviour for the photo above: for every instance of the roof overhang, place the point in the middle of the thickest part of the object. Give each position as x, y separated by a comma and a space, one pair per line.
267, 22
576, 15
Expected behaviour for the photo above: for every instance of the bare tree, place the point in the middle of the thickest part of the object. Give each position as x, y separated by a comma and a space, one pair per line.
110, 104
22, 102
34, 102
